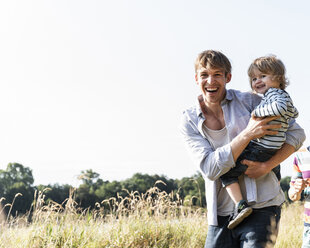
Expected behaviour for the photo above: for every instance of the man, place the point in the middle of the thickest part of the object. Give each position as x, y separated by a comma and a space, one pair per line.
216, 131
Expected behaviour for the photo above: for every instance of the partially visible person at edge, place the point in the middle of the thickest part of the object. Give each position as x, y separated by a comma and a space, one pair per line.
216, 131
300, 182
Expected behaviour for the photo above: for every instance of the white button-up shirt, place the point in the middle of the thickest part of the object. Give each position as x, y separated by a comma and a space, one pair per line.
237, 107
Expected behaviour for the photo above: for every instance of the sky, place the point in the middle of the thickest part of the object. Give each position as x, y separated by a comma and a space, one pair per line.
102, 85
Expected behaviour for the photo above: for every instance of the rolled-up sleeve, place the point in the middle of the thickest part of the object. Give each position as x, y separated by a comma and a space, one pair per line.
212, 163
295, 135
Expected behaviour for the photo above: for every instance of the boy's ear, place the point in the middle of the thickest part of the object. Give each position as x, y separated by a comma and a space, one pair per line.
228, 77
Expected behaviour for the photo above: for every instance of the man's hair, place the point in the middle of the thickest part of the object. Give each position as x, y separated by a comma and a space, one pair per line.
213, 59
270, 65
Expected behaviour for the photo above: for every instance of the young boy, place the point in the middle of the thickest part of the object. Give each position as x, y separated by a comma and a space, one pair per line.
300, 181
267, 77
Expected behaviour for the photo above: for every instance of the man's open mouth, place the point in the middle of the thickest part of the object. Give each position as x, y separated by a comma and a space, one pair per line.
211, 89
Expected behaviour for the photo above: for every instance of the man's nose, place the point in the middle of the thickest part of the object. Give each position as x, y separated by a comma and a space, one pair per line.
210, 79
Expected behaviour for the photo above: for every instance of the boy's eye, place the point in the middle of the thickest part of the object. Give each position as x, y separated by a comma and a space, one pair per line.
263, 76
253, 79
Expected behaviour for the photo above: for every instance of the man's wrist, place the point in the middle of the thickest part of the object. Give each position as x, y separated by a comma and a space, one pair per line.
268, 165
271, 163
246, 136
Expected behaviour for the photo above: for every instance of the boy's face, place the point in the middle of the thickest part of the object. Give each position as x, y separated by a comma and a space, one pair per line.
212, 83
261, 82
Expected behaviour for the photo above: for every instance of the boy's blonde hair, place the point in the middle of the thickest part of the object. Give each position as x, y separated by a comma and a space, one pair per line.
214, 59
270, 65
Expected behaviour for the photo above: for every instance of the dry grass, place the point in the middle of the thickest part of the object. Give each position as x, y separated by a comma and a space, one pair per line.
153, 219
291, 226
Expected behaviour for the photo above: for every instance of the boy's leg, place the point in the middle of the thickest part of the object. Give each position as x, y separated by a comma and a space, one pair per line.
219, 236
230, 181
242, 210
234, 192
260, 229
258, 153
232, 175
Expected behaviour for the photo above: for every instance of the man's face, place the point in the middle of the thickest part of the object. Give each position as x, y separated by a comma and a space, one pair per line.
212, 83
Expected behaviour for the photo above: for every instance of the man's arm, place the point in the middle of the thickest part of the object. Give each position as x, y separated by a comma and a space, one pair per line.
256, 128
214, 163
295, 136
257, 169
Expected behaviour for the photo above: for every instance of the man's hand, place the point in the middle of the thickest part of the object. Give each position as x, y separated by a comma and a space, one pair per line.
256, 169
258, 127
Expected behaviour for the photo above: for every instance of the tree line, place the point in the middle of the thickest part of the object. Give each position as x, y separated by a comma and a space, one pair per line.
16, 186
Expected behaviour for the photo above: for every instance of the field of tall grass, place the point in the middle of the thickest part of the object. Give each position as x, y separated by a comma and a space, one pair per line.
153, 219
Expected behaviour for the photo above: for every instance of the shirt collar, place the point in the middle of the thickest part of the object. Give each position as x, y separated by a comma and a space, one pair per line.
198, 108
229, 95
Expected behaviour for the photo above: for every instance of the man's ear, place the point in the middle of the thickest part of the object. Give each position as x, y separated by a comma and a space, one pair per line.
228, 77
196, 78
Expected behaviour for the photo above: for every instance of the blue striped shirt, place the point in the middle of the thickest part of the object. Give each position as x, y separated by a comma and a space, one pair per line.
276, 102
